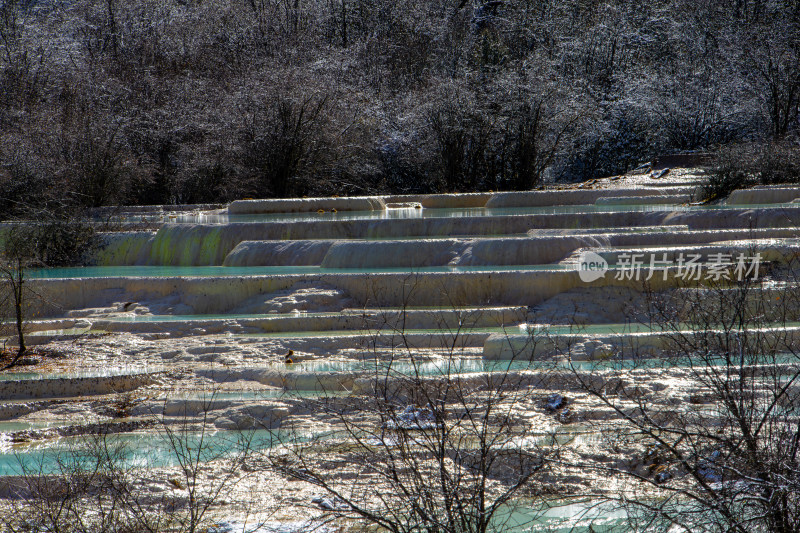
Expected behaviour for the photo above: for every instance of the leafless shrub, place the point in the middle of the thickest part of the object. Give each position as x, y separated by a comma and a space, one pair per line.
420, 443
725, 457
281, 143
747, 164
103, 482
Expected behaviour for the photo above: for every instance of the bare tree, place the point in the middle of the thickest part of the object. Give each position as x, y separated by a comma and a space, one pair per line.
424, 442
722, 455
101, 480
13, 274
191, 444
45, 237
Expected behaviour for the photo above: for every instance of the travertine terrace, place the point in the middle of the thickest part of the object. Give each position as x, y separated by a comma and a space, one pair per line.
261, 302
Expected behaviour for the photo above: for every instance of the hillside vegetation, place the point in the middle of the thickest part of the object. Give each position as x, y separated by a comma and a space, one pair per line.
191, 101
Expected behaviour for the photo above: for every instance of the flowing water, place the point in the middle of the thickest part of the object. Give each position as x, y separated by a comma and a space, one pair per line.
143, 449
484, 235
222, 271
471, 212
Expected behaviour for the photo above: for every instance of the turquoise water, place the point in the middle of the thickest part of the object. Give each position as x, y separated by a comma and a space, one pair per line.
434, 367
580, 516
660, 362
134, 449
154, 450
464, 365
455, 365
13, 376
554, 516
387, 331
423, 367
14, 425
221, 271
593, 329
371, 313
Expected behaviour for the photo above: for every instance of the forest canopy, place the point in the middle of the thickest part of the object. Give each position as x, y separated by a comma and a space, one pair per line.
195, 101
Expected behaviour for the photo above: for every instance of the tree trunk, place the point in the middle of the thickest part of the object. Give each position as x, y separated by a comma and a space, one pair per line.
17, 287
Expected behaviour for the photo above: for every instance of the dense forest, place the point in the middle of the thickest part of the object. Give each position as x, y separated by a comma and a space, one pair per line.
192, 101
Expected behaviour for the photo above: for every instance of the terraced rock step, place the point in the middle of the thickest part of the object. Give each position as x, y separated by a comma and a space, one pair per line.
260, 294
496, 251
581, 196
293, 205
763, 195
98, 428
726, 252
266, 314
634, 342
187, 244
73, 386
346, 320
469, 200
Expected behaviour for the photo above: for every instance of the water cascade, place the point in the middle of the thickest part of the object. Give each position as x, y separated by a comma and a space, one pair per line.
267, 303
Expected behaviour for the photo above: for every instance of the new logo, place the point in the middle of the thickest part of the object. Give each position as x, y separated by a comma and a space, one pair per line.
591, 266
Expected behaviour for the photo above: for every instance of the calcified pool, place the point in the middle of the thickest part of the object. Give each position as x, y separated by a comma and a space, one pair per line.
412, 213
268, 312
221, 271
141, 450
395, 213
